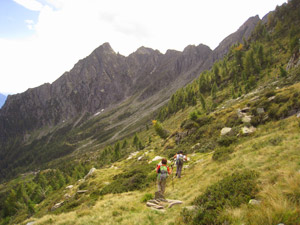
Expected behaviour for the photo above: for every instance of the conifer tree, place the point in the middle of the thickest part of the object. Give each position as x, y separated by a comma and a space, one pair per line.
202, 101
135, 140
214, 91
124, 144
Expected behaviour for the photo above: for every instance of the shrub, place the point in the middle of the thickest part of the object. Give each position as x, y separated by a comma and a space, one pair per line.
203, 120
189, 124
208, 147
231, 191
270, 93
233, 120
193, 115
160, 130
135, 177
226, 140
146, 197
222, 154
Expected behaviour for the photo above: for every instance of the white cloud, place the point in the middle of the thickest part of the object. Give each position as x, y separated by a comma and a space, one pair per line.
69, 30
30, 4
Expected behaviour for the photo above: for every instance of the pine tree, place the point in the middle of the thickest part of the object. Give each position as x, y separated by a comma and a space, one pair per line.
135, 140
214, 91
117, 151
124, 144
202, 101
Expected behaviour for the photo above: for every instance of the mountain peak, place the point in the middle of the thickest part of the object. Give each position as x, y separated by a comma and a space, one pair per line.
106, 48
144, 50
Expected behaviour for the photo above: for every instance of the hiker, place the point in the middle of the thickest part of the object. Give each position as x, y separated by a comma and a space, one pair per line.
179, 159
163, 172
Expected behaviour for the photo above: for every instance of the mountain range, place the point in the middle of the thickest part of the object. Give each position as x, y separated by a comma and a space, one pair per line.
105, 79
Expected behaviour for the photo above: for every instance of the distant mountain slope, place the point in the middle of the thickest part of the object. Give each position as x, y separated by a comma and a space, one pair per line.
104, 97
2, 99
105, 78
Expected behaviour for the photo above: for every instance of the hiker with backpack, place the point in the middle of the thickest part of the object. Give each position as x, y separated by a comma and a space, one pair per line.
179, 159
163, 172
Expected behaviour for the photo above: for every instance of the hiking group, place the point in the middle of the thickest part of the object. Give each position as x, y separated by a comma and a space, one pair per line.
164, 171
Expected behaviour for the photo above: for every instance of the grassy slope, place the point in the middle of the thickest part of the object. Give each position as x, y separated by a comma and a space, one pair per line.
278, 163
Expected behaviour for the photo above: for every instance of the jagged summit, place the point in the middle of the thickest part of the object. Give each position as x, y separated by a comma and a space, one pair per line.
144, 50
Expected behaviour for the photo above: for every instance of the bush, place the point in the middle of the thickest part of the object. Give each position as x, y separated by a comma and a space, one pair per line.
231, 191
146, 197
203, 120
226, 140
163, 133
189, 124
222, 154
136, 177
233, 120
193, 115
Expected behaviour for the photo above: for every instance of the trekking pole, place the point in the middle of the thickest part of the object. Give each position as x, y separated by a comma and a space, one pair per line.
172, 177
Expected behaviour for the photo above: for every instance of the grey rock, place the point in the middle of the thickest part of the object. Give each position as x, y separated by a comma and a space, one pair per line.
69, 187
246, 119
174, 203
225, 130
254, 202
90, 173
260, 110
30, 223
81, 191
57, 205
248, 130
272, 98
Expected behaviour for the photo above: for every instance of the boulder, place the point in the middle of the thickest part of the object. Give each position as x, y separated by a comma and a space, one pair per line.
254, 202
271, 98
67, 196
140, 158
57, 205
246, 119
132, 155
90, 172
81, 191
156, 158
196, 146
30, 223
246, 109
248, 130
260, 110
69, 187
225, 130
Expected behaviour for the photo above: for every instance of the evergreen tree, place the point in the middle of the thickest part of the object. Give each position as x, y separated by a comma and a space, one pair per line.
214, 91
135, 140
117, 151
10, 204
217, 77
202, 101
124, 144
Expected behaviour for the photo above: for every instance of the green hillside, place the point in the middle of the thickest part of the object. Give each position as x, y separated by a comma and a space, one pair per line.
247, 173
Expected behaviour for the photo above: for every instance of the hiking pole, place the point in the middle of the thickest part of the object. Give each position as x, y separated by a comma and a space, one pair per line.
172, 176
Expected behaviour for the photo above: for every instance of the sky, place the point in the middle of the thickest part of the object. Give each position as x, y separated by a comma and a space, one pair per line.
42, 39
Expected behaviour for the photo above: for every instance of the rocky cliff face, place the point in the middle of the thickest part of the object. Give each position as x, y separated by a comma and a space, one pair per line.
105, 78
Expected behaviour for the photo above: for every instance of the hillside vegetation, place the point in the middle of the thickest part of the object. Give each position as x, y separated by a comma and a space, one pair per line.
247, 173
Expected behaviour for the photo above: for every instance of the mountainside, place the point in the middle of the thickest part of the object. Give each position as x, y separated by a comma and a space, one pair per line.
104, 79
2, 99
238, 123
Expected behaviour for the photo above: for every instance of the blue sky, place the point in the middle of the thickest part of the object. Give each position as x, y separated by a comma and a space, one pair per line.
42, 39
15, 20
